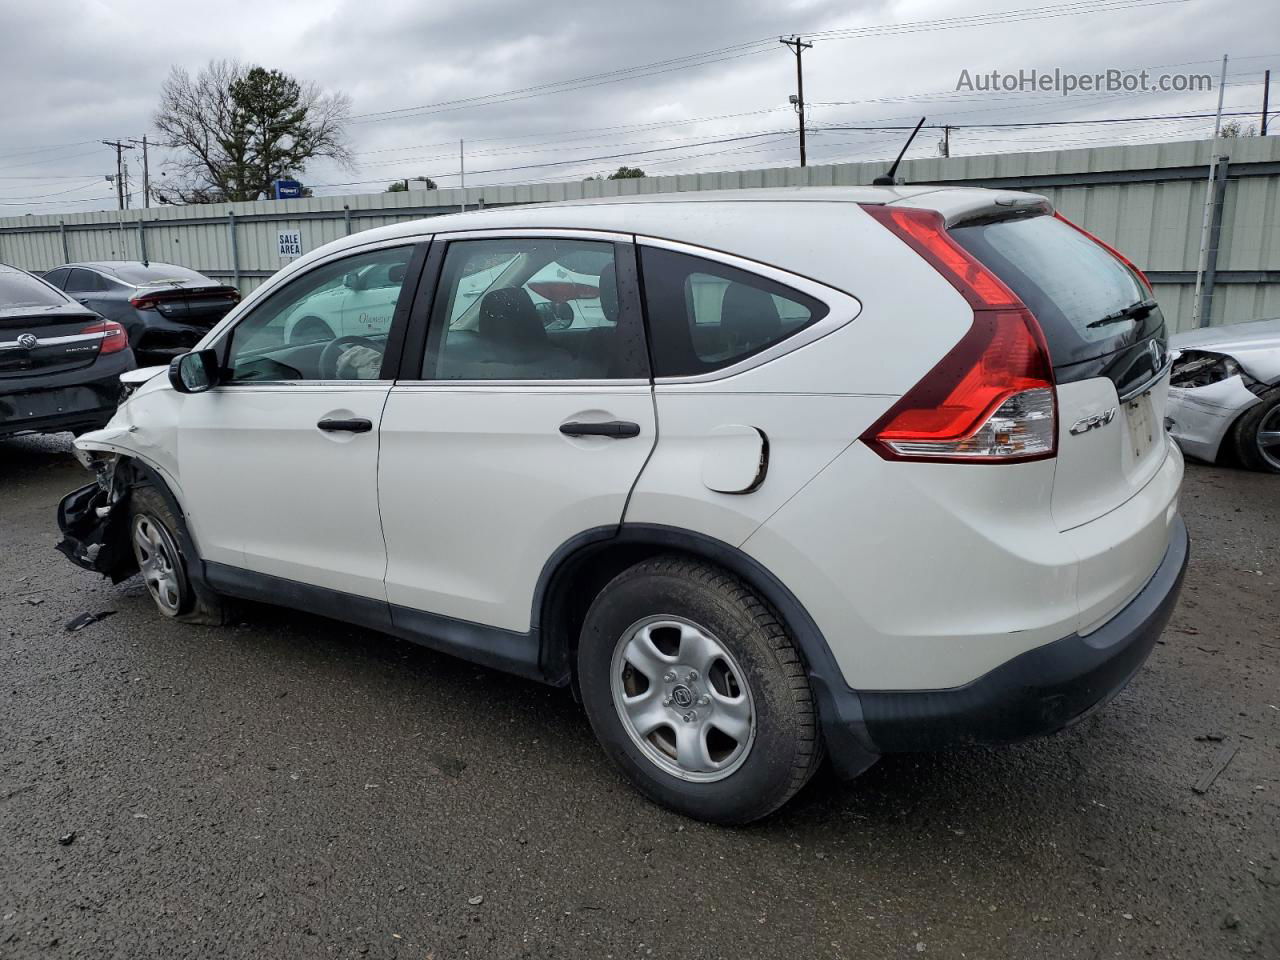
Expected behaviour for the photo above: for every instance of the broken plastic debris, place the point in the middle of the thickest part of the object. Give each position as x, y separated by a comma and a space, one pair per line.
82, 621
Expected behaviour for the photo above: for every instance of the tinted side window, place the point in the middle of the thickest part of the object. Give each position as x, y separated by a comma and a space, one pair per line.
322, 325
57, 277
84, 281
533, 309
704, 315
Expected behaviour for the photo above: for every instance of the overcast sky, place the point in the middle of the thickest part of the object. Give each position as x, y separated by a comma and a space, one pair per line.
75, 73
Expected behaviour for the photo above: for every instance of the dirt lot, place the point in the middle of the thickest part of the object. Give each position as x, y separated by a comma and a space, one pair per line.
292, 787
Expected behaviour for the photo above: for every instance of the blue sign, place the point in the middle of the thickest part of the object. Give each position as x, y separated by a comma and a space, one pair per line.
288, 189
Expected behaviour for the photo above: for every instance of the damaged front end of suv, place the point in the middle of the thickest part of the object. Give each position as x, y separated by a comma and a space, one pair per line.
94, 519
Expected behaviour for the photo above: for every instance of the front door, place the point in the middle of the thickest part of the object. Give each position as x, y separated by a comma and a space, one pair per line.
525, 421
279, 462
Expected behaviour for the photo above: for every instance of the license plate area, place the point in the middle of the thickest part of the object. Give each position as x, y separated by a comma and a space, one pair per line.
1141, 423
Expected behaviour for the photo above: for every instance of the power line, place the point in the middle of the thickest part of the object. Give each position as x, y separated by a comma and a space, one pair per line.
756, 47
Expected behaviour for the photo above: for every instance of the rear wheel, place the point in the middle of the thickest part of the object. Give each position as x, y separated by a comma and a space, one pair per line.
154, 534
695, 690
1257, 434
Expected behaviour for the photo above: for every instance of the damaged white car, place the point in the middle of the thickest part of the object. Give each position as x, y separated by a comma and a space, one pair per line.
1224, 394
764, 476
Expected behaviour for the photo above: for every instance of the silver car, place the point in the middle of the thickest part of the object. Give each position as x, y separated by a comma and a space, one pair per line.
1224, 394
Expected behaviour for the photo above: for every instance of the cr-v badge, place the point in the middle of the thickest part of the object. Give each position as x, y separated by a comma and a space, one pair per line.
1085, 424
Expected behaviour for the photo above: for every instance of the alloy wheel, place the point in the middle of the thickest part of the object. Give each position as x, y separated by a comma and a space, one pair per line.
1268, 438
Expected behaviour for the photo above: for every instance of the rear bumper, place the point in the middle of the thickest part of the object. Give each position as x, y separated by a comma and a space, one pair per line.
1035, 693
80, 399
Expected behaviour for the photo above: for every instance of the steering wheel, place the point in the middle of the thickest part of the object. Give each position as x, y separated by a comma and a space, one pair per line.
333, 351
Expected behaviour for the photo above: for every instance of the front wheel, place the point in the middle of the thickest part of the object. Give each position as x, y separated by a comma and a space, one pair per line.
695, 690
154, 533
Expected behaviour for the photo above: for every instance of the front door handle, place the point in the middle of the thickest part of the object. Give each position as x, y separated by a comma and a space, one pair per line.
350, 426
617, 429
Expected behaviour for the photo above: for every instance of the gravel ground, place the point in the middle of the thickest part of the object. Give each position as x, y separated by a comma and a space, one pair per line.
292, 787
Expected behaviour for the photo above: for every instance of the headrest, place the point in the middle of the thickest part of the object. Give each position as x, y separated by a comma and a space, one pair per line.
395, 274
749, 316
609, 293
509, 315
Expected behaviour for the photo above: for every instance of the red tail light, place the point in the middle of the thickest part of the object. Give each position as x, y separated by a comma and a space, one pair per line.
1110, 249
991, 399
114, 338
144, 302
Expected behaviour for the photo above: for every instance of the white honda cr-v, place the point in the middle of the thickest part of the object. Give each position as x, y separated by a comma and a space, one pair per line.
823, 471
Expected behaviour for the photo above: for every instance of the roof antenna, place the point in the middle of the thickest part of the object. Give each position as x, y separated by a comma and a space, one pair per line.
886, 179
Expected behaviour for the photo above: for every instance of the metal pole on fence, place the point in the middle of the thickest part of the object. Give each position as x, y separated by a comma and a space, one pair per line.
142, 242
1266, 100
1197, 318
346, 214
1215, 235
66, 250
235, 248
462, 174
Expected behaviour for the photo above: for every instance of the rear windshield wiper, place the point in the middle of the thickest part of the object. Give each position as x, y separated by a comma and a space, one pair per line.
1135, 312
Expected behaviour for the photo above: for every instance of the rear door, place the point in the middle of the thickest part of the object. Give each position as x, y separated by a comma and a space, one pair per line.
509, 434
1107, 340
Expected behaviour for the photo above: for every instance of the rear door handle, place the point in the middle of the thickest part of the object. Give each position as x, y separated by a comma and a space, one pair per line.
350, 426
617, 429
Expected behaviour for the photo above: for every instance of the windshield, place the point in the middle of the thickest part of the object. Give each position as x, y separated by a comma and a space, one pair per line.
18, 289
1067, 281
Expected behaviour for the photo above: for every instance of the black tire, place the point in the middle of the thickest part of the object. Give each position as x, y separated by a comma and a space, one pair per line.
1245, 434
786, 745
194, 604
310, 330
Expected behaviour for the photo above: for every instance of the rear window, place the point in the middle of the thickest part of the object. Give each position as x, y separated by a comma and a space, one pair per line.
1069, 282
138, 275
18, 289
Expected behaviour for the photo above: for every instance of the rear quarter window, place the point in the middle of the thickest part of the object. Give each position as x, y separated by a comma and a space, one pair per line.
704, 315
1067, 281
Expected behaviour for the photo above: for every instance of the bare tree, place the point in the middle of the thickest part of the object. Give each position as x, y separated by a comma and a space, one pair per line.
236, 129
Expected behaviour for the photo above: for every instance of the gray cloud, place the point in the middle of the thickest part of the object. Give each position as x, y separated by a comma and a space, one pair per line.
75, 73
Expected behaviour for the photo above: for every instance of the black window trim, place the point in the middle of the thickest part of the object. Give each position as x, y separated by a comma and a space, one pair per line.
400, 318
842, 307
423, 336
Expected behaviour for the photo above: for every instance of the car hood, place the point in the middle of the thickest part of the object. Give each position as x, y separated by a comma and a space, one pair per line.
1255, 346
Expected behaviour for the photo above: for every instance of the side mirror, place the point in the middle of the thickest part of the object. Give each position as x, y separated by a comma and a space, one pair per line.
194, 372
351, 280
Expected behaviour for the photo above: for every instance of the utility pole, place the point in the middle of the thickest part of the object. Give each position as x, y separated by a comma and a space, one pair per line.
120, 148
146, 173
798, 46
462, 175
1266, 100
1198, 316
946, 141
